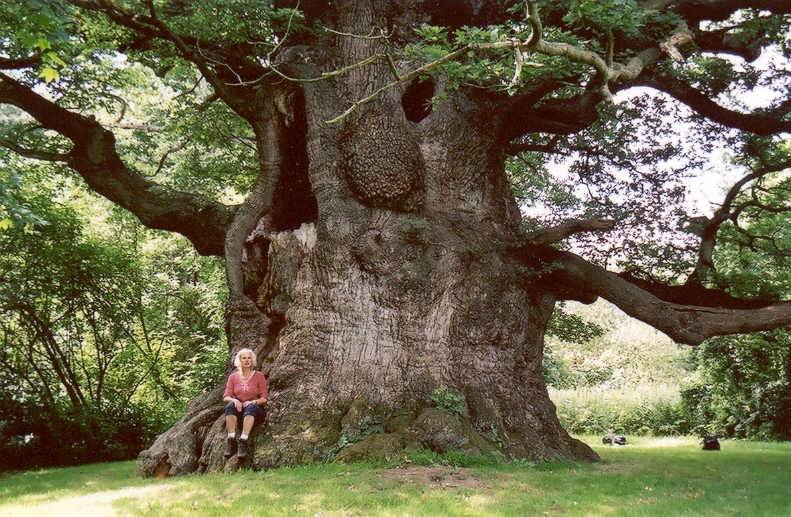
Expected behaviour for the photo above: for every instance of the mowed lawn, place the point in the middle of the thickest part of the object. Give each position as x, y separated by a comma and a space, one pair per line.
652, 476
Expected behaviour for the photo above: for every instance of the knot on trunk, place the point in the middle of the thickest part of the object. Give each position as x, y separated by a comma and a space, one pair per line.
383, 164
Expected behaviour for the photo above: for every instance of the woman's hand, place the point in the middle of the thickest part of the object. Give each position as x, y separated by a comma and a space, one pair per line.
237, 404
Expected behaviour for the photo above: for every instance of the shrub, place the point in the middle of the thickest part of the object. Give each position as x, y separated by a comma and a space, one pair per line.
743, 387
643, 410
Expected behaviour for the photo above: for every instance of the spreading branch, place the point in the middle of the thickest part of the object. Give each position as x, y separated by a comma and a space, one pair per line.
759, 124
686, 323
569, 228
95, 158
695, 11
705, 262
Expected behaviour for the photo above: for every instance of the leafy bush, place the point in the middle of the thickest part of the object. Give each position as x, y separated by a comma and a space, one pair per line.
743, 388
642, 410
102, 346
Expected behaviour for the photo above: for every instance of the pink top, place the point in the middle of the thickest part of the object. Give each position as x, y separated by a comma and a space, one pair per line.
243, 390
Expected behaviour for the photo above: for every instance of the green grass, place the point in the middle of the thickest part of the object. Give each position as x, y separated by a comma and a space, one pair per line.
652, 476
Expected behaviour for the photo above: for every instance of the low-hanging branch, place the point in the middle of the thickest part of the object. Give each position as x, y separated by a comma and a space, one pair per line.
690, 324
95, 158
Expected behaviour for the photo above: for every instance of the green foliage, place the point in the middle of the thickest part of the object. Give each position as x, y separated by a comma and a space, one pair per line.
622, 377
640, 410
449, 401
743, 387
606, 15
573, 328
105, 333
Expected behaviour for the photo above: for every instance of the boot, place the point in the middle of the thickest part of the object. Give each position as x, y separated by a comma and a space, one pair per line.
242, 449
230, 447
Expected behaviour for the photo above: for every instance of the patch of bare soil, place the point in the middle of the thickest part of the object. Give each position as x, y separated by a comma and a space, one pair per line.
434, 477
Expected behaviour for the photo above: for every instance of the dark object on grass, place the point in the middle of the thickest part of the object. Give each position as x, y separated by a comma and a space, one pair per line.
613, 439
710, 443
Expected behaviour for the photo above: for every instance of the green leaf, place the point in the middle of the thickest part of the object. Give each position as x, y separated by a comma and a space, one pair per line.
6, 224
43, 44
52, 58
49, 74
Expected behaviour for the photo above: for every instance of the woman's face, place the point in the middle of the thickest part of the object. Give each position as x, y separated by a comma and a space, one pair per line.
246, 360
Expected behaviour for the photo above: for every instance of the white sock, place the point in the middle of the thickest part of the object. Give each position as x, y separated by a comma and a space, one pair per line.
231, 435
243, 436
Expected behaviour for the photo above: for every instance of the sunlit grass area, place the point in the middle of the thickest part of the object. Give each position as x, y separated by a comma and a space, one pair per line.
650, 476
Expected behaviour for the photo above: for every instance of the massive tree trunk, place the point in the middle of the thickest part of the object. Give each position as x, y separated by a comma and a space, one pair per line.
382, 255
405, 281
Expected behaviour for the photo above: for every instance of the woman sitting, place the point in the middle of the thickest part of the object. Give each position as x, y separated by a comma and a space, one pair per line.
245, 392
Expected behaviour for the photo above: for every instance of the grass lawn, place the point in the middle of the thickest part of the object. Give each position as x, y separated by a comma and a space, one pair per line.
651, 476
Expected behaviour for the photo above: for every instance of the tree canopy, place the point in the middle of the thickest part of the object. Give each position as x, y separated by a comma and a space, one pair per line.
153, 104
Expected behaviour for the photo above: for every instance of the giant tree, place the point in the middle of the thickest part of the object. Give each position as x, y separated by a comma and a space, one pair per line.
381, 252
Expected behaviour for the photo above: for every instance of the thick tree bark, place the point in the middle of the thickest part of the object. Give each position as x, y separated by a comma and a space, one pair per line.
401, 270
406, 282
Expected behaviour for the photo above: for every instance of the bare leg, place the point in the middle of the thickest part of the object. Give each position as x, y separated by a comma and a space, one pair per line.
247, 424
230, 423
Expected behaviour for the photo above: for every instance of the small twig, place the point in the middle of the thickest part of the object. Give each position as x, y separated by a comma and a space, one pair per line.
382, 34
610, 47
518, 60
167, 153
34, 153
393, 67
191, 90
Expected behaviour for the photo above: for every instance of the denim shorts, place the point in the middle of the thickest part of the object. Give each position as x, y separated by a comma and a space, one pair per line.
253, 410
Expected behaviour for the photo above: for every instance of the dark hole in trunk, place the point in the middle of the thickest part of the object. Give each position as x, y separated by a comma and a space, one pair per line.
293, 201
417, 99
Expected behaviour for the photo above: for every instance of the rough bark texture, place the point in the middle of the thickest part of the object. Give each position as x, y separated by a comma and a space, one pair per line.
405, 282
381, 307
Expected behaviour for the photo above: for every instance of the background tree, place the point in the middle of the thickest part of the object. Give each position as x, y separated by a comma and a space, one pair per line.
102, 338
379, 251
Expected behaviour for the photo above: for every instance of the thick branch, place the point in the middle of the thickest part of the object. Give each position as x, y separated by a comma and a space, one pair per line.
723, 41
95, 158
23, 62
555, 116
268, 137
690, 324
717, 10
569, 228
754, 123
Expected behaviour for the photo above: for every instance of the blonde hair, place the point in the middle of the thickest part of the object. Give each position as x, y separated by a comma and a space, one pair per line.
237, 363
